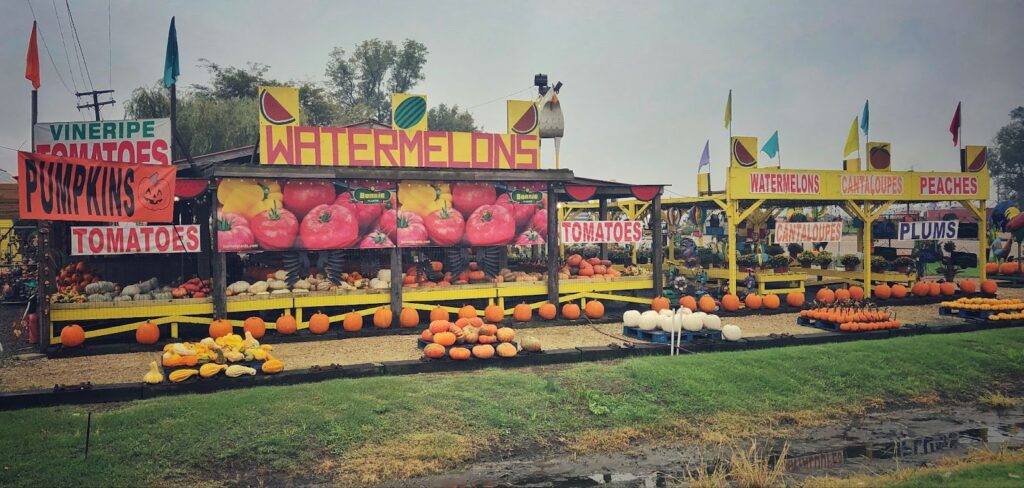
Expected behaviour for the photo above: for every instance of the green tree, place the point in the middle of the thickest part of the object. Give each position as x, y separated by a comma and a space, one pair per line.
374, 71
1006, 157
445, 118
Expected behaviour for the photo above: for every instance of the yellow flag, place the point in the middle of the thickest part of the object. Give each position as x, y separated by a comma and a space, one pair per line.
728, 111
852, 140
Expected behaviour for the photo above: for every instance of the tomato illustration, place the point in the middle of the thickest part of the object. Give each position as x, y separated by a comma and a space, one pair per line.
467, 197
233, 233
388, 223
529, 237
523, 212
539, 222
275, 228
445, 226
490, 225
329, 227
376, 240
366, 213
411, 231
300, 196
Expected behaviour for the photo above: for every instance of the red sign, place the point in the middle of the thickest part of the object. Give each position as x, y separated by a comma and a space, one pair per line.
786, 232
57, 188
144, 239
617, 231
799, 183
871, 185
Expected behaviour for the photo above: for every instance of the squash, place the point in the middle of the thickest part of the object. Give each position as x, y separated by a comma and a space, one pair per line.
522, 313
257, 287
285, 324
506, 334
439, 326
659, 303
236, 370
180, 375
714, 322
506, 350
631, 318
408, 318
182, 350
594, 309
147, 333
250, 342
459, 353
648, 320
382, 318
494, 314
272, 366
488, 329
234, 356
731, 332
531, 344
548, 311
256, 326
209, 370
219, 328
434, 351
72, 335
693, 322
353, 322
571, 311
439, 313
153, 376
486, 339
483, 351
258, 354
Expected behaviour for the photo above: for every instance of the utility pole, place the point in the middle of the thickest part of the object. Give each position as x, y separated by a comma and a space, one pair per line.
96, 103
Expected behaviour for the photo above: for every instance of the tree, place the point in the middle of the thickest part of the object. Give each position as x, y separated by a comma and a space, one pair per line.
374, 71
1006, 157
445, 118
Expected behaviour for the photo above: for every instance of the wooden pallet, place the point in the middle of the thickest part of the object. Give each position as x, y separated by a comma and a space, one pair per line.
662, 337
966, 314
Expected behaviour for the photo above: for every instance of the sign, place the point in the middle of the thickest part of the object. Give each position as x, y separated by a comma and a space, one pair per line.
879, 156
590, 231
744, 151
146, 141
786, 232
523, 117
800, 184
55, 188
409, 112
390, 148
973, 159
871, 184
787, 184
279, 105
134, 239
928, 231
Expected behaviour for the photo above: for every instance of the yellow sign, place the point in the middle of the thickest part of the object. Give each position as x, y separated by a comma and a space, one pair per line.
879, 156
744, 151
409, 112
704, 184
522, 117
973, 159
851, 165
775, 184
279, 105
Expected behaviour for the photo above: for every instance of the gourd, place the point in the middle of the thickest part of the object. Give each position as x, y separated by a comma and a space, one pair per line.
162, 295
99, 287
272, 366
301, 285
153, 376
180, 375
123, 298
666, 323
384, 275
209, 370
506, 350
143, 296
280, 275
99, 297
506, 334
257, 287
250, 342
239, 287
648, 320
234, 356
693, 322
258, 354
531, 344
209, 343
731, 332
130, 290
182, 350
631, 318
277, 285
236, 370
713, 322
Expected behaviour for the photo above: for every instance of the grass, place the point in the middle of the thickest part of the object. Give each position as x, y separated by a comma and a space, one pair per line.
361, 431
1009, 475
997, 401
981, 468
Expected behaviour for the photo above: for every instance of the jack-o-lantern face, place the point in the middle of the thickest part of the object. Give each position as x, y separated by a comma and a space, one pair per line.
155, 194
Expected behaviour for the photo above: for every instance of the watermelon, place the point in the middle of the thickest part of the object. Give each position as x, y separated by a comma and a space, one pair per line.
527, 123
879, 158
741, 155
978, 163
410, 112
273, 111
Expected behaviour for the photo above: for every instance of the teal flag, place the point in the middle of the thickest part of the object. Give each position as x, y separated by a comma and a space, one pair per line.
864, 125
771, 146
171, 66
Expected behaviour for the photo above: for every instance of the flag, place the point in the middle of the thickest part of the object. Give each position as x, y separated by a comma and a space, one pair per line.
728, 111
771, 146
705, 159
171, 66
852, 140
864, 124
32, 60
954, 125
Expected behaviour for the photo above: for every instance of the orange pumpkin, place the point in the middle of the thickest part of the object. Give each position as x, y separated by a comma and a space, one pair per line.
688, 302
506, 334
947, 288
594, 309
522, 313
989, 287
488, 329
919, 289
658, 304
445, 338
494, 314
319, 323
382, 318
353, 322
72, 335
825, 295
1009, 268
856, 293
459, 353
771, 302
474, 321
440, 326
219, 328
408, 318
586, 271
968, 286
796, 299
507, 350
147, 333
255, 326
574, 260
285, 324
899, 291
707, 304
427, 335
486, 339
571, 311
439, 313
483, 351
547, 311
882, 291
934, 289
842, 295
467, 311
730, 303
753, 301
434, 351
991, 268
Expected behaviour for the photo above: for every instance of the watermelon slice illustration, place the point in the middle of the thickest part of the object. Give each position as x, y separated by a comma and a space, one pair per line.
272, 110
978, 163
527, 123
880, 158
741, 155
410, 112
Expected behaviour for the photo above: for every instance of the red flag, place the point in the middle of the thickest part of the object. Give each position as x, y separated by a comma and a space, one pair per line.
954, 126
32, 60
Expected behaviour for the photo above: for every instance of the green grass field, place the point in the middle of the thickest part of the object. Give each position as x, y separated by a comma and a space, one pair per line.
1000, 475
393, 427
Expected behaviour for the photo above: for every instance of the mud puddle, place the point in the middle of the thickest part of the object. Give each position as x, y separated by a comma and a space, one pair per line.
875, 442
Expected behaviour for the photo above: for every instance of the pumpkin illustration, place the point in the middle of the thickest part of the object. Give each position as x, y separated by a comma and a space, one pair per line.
156, 193
147, 333
319, 323
72, 335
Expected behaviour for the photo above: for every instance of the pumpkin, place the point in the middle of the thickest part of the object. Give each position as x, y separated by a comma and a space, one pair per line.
648, 320
434, 351
444, 338
522, 313
730, 303
147, 333
488, 329
483, 351
753, 301
771, 302
494, 314
547, 311
594, 309
382, 318
486, 339
630, 318
991, 268
692, 322
796, 299
319, 323
408, 318
1009, 267
467, 311
285, 324
666, 312
714, 322
531, 344
731, 332
471, 335
256, 326
353, 322
989, 287
659, 303
439, 326
934, 289
825, 295
439, 313
899, 291
506, 334
474, 321
219, 328
856, 293
506, 350
707, 304
968, 286
574, 260
571, 311
688, 302
842, 295
459, 353
272, 366
882, 291
919, 289
673, 323
947, 288
153, 376
427, 335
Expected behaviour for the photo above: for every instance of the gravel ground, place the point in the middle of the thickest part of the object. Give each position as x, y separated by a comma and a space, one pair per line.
45, 373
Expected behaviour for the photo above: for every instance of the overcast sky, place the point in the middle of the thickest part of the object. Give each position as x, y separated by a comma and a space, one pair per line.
645, 82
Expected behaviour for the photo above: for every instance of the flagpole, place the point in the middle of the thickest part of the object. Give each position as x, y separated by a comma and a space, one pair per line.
960, 128
778, 149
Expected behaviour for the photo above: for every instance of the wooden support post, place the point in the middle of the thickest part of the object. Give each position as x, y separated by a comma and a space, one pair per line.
602, 214
218, 279
657, 246
867, 246
731, 226
553, 244
982, 240
206, 215
396, 282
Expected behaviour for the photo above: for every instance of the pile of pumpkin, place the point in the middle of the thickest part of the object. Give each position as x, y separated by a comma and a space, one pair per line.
215, 354
578, 267
1005, 268
732, 303
679, 320
853, 318
1008, 308
471, 337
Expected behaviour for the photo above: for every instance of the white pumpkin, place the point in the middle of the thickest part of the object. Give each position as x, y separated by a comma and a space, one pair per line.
665, 312
684, 311
713, 322
677, 322
692, 322
648, 320
631, 318
666, 323
700, 315
731, 332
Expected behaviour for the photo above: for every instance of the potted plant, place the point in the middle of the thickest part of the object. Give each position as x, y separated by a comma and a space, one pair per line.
780, 263
850, 262
806, 259
798, 217
903, 264
879, 264
746, 261
824, 259
775, 250
794, 249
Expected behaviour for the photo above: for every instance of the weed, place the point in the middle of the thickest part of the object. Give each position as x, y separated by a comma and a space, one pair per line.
754, 467
997, 401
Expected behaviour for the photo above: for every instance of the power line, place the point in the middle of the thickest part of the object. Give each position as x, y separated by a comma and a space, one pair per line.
67, 55
110, 62
79, 41
499, 98
47, 49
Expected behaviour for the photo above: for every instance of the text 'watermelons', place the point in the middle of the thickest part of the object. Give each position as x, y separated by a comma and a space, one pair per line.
272, 110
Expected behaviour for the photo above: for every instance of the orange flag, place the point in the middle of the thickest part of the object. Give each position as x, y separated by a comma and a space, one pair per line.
32, 60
